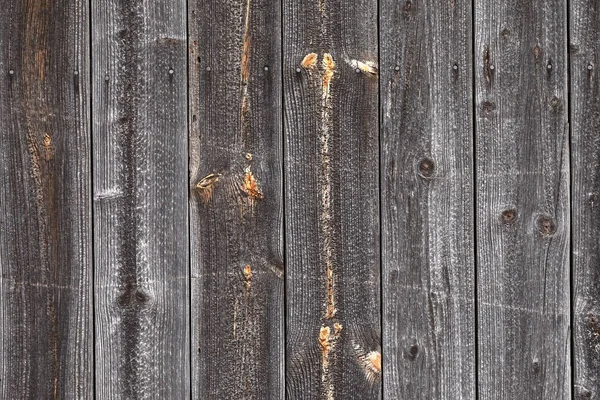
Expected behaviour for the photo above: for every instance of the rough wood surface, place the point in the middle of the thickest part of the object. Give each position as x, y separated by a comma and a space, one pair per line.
236, 204
140, 199
585, 125
427, 200
46, 335
330, 85
522, 192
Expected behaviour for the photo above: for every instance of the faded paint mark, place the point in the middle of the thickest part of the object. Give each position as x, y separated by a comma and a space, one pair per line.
250, 186
248, 276
368, 68
245, 63
330, 309
327, 341
322, 4
328, 71
235, 312
309, 61
48, 148
326, 217
206, 186
245, 71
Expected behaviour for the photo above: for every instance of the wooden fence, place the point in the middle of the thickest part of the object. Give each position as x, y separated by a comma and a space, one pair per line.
302, 199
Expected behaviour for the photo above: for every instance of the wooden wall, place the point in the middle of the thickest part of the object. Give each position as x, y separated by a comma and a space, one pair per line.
303, 199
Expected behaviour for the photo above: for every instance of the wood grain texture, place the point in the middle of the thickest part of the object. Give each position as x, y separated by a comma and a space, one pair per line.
236, 201
585, 155
140, 199
46, 333
330, 86
427, 200
522, 158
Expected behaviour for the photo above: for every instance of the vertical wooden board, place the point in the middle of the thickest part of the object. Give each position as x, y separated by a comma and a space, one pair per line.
585, 153
46, 334
330, 86
139, 66
427, 200
236, 199
523, 229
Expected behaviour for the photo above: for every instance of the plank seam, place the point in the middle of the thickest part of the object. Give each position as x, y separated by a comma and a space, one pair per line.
474, 196
91, 191
189, 233
379, 127
571, 264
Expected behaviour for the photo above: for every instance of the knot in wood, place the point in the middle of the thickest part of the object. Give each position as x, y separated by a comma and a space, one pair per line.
426, 168
546, 225
509, 216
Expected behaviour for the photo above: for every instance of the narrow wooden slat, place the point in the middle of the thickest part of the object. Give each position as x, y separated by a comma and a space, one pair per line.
236, 199
427, 200
585, 155
46, 335
522, 199
332, 201
140, 199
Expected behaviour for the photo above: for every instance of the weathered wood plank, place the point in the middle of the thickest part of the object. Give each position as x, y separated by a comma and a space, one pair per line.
427, 200
522, 199
236, 200
332, 201
585, 155
46, 332
140, 199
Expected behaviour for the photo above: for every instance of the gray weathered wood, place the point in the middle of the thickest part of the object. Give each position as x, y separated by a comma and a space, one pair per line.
332, 200
585, 125
522, 200
46, 335
236, 204
427, 200
140, 199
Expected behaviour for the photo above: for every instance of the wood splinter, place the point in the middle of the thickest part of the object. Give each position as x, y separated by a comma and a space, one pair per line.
206, 186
